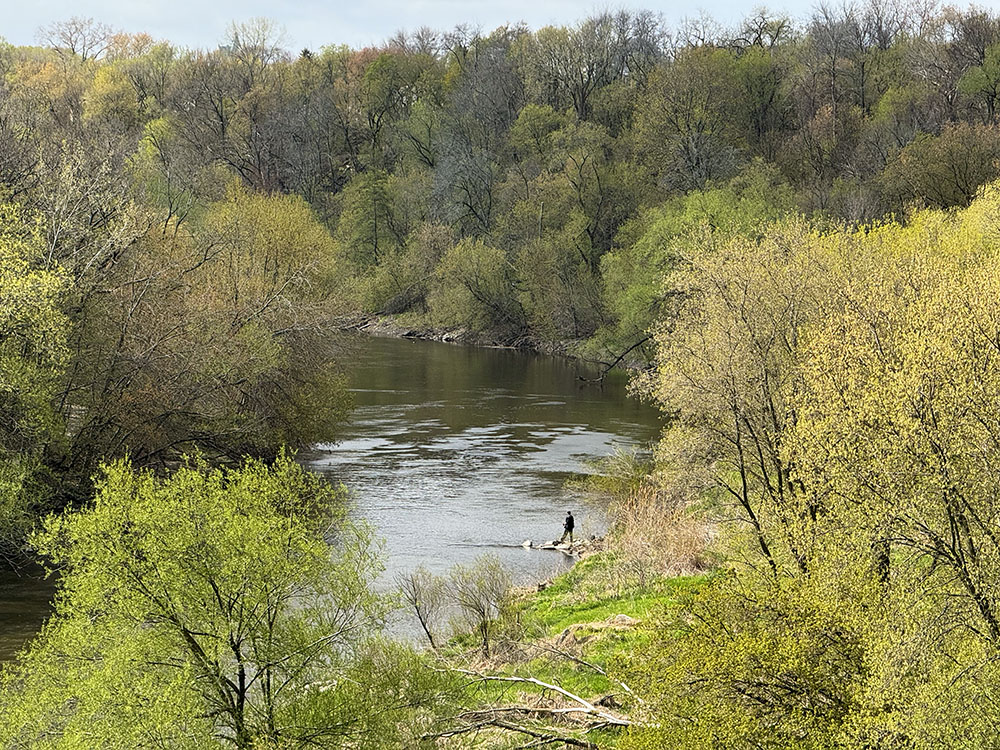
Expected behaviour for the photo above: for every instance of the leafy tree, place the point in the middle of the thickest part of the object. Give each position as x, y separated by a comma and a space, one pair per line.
947, 169
167, 178
982, 83
475, 287
685, 129
764, 107
111, 96
215, 341
33, 355
852, 428
635, 294
480, 590
208, 609
405, 277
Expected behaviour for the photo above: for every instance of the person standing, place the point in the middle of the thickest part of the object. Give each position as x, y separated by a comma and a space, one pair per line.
568, 525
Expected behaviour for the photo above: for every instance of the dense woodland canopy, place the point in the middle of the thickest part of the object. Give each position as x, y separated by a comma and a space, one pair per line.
792, 222
198, 217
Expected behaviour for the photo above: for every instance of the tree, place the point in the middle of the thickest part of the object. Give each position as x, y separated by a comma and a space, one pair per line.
857, 608
944, 170
684, 127
652, 246
209, 609
566, 67
33, 355
480, 591
215, 341
82, 37
476, 288
111, 98
485, 99
982, 83
764, 107
424, 593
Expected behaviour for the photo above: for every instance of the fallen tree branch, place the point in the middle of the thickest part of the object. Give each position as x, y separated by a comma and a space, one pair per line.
527, 710
541, 735
610, 366
545, 736
585, 706
585, 663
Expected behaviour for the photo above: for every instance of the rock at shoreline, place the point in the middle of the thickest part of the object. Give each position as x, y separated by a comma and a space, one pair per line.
578, 548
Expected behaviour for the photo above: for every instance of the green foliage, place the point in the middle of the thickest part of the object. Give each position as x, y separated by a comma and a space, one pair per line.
32, 332
531, 133
947, 169
982, 82
849, 418
635, 294
33, 355
747, 665
208, 608
475, 288
111, 97
685, 128
481, 592
830, 387
216, 341
166, 178
364, 225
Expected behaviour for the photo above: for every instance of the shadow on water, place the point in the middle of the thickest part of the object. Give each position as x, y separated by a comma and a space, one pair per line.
25, 601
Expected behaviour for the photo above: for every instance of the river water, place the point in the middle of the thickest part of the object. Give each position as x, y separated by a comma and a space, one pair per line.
452, 452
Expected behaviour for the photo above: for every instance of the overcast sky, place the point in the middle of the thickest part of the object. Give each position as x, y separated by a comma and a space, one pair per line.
315, 23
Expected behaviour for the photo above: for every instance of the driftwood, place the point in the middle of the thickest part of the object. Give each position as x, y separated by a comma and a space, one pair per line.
542, 736
583, 706
515, 718
584, 663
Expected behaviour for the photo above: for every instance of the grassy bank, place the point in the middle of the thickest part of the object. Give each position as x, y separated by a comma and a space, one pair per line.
559, 671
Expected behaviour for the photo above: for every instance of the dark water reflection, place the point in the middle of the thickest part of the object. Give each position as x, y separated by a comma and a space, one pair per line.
25, 601
452, 452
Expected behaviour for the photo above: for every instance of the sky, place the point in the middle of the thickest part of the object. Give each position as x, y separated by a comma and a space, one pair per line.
315, 23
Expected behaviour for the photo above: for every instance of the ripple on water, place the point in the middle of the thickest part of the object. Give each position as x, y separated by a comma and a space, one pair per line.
452, 452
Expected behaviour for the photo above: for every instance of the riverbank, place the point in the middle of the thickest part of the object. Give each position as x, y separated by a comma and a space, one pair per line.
407, 326
569, 653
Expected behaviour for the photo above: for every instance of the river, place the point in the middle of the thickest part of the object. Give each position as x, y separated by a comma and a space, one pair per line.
451, 452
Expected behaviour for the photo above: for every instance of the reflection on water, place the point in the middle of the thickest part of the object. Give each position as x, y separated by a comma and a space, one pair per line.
452, 452
24, 603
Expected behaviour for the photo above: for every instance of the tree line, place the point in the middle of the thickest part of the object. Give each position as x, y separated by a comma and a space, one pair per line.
204, 215
792, 221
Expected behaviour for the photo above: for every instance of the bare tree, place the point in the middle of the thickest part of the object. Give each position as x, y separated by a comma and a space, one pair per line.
480, 591
79, 36
256, 45
424, 592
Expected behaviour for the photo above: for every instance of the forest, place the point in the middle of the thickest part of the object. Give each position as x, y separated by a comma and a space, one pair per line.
789, 231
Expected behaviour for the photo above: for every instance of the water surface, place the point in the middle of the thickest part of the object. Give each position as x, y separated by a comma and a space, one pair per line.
452, 452
456, 451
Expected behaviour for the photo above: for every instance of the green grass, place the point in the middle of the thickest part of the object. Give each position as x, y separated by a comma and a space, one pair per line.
591, 592
584, 599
